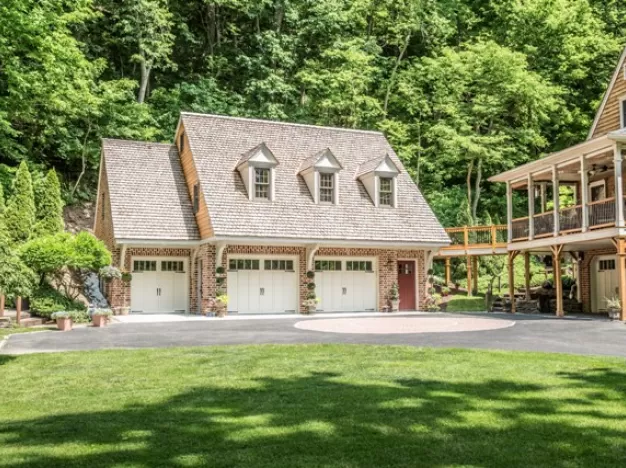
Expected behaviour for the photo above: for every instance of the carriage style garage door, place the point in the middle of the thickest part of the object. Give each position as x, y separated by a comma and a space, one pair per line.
346, 284
159, 285
605, 281
262, 285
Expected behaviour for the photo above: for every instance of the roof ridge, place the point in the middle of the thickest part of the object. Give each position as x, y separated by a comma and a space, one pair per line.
138, 141
278, 122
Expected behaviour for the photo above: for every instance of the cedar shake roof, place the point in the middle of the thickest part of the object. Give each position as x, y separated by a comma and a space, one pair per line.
310, 162
148, 193
371, 165
217, 144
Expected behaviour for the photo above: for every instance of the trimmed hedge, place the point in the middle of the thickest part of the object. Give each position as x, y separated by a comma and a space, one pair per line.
46, 300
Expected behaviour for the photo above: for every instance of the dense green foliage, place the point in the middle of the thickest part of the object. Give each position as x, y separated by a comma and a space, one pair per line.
463, 88
20, 213
49, 205
311, 406
46, 300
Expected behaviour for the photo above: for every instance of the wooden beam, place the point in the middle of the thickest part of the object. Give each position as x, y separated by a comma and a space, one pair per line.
18, 309
527, 274
475, 275
469, 276
556, 201
531, 208
584, 193
619, 185
448, 277
509, 211
558, 284
621, 271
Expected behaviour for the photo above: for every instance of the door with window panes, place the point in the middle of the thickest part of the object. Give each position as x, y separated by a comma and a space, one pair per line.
159, 285
345, 285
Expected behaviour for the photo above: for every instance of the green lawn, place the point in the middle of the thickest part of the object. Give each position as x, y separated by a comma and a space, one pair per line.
11, 331
462, 303
312, 406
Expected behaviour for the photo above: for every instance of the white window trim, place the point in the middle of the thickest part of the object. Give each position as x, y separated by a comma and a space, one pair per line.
252, 183
394, 191
318, 188
622, 117
597, 183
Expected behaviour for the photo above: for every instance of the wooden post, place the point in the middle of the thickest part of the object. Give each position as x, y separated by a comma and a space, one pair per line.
527, 274
448, 271
556, 201
469, 276
531, 208
18, 309
494, 237
2, 305
509, 212
475, 275
558, 285
619, 186
584, 192
542, 195
511, 265
465, 237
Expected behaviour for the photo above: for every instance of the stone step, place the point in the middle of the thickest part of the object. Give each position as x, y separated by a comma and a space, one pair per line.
32, 322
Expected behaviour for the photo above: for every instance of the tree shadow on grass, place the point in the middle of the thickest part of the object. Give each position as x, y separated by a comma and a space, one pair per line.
5, 359
321, 420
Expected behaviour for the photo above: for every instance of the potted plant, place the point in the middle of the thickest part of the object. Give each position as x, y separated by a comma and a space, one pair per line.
100, 317
310, 303
433, 303
614, 307
445, 291
63, 319
109, 273
126, 277
220, 304
394, 297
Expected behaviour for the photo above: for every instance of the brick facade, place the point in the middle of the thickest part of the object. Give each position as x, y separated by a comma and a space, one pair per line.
119, 294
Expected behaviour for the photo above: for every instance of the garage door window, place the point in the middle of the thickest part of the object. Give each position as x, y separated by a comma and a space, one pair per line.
243, 264
327, 265
175, 266
279, 265
606, 265
144, 265
358, 266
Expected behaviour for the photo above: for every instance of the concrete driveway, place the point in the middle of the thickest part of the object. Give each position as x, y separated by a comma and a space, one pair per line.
527, 333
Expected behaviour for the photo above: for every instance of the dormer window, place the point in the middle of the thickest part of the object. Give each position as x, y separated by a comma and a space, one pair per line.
257, 168
261, 183
622, 110
385, 191
379, 177
327, 188
321, 174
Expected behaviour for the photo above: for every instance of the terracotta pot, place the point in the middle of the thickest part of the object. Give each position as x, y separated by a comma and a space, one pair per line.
100, 320
220, 311
64, 324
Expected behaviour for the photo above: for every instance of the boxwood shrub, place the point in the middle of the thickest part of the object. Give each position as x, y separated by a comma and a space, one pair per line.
46, 300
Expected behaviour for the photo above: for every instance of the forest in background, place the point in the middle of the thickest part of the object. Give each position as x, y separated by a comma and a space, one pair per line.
462, 88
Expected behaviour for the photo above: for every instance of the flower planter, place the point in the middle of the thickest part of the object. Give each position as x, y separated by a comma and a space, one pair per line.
64, 324
220, 312
614, 314
395, 305
100, 320
311, 309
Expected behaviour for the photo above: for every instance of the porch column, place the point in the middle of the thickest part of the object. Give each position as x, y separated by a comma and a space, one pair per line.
584, 192
509, 212
542, 196
469, 276
619, 185
447, 260
527, 274
558, 284
475, 275
511, 266
621, 271
555, 200
531, 208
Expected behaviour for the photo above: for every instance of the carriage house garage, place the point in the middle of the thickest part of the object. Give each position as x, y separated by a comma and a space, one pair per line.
248, 207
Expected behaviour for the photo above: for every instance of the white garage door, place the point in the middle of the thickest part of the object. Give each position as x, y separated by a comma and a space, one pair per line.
605, 281
159, 285
345, 285
262, 285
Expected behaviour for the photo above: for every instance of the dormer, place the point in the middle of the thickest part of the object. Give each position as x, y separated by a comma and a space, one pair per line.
379, 177
257, 169
321, 174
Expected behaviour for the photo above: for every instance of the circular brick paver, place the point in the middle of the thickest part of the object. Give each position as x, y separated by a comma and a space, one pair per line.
403, 325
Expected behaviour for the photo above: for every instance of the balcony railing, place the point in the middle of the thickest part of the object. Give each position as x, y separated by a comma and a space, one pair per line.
477, 237
601, 214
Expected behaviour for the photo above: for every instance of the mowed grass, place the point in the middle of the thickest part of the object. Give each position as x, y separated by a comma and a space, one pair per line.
13, 330
312, 406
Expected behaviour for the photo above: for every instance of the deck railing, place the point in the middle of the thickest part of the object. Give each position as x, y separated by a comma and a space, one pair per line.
477, 237
601, 214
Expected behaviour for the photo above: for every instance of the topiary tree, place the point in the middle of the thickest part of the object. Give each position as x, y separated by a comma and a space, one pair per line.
20, 212
49, 206
16, 279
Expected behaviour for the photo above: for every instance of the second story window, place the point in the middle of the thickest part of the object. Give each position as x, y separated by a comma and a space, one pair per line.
327, 188
261, 183
385, 196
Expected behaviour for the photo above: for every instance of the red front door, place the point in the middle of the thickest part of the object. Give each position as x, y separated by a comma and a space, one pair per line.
406, 284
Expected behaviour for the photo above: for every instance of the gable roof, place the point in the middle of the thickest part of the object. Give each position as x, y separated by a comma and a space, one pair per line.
607, 94
260, 148
316, 158
373, 165
148, 192
217, 143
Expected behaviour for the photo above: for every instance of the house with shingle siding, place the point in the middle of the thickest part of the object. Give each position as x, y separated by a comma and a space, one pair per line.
266, 201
